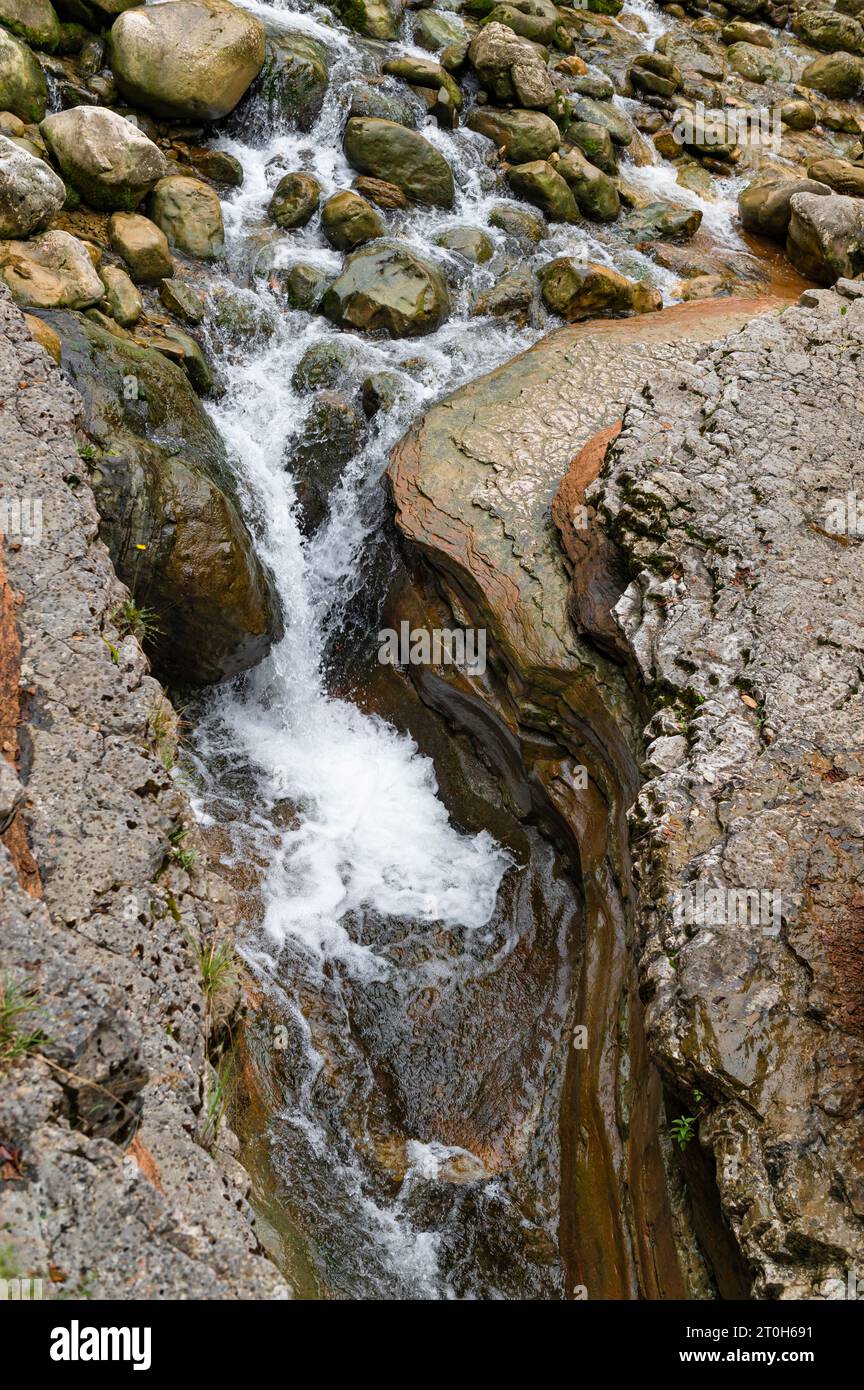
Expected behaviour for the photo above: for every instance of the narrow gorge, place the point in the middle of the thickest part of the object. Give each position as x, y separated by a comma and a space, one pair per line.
334, 966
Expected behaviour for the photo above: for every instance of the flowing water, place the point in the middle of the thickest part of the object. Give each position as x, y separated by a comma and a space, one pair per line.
416, 956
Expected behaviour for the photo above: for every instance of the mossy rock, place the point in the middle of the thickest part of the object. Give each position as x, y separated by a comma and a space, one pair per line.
289, 91
23, 89
33, 21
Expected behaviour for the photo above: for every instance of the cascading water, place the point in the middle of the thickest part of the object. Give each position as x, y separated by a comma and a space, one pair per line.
371, 898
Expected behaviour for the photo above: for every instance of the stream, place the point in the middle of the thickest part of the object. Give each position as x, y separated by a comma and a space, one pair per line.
415, 945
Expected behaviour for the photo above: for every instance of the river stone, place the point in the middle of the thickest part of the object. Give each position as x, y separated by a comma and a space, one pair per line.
163, 482
425, 72
375, 19
839, 174
511, 297
839, 75
218, 166
523, 223
510, 68
524, 135
302, 285
797, 114
104, 157
604, 114
142, 245
295, 200
764, 205
292, 84
826, 237
53, 271
347, 221
186, 59
323, 365
30, 193
759, 64
190, 214
379, 191
23, 89
830, 31
367, 100
590, 84
662, 221
125, 304
435, 31
540, 22
595, 142
470, 243
390, 289
578, 290
595, 191
541, 185
652, 73
34, 21
740, 31
388, 151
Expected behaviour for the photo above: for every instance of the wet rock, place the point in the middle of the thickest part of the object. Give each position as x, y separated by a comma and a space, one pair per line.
828, 30
123, 299
376, 19
372, 101
44, 335
380, 391
190, 214
218, 166
424, 72
839, 75
52, 271
386, 195
23, 89
510, 67
332, 435
592, 84
388, 288
524, 135
183, 300
142, 245
602, 113
540, 22
295, 200
541, 185
764, 206
187, 59
292, 83
759, 64
470, 243
105, 158
520, 222
797, 114
512, 297
662, 221
578, 290
240, 317
302, 285
595, 142
595, 192
324, 364
162, 481
740, 31
655, 74
841, 175
388, 151
30, 192
435, 31
347, 221
826, 236
34, 21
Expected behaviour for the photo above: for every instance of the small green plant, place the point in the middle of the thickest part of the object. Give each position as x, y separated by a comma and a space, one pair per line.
184, 857
87, 452
142, 623
15, 1002
8, 1263
218, 966
683, 1130
115, 655
215, 1097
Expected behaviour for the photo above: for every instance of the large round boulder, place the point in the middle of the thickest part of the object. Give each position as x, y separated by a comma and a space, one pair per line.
106, 158
289, 90
826, 237
142, 245
295, 200
389, 151
187, 59
764, 205
840, 174
34, 21
578, 290
523, 135
190, 214
388, 288
539, 183
838, 75
30, 192
53, 271
828, 30
348, 221
23, 89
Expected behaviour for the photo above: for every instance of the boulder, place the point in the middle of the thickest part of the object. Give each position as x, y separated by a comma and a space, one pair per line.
523, 223
662, 221
30, 193
323, 365
379, 191
797, 114
524, 135
107, 159
740, 31
34, 21
142, 245
839, 174
375, 19
604, 114
434, 31
511, 68
425, 72
186, 59
540, 184
388, 151
764, 205
289, 91
578, 290
332, 434
828, 30
54, 271
510, 298
347, 221
595, 191
295, 200
838, 75
472, 244
759, 64
190, 214
595, 142
367, 100
653, 73
23, 89
162, 482
825, 241
123, 300
182, 300
388, 288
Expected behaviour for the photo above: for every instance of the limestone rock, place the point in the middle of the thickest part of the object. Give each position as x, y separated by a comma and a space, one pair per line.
107, 159
388, 151
578, 290
30, 192
826, 236
388, 288
190, 214
52, 271
143, 246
